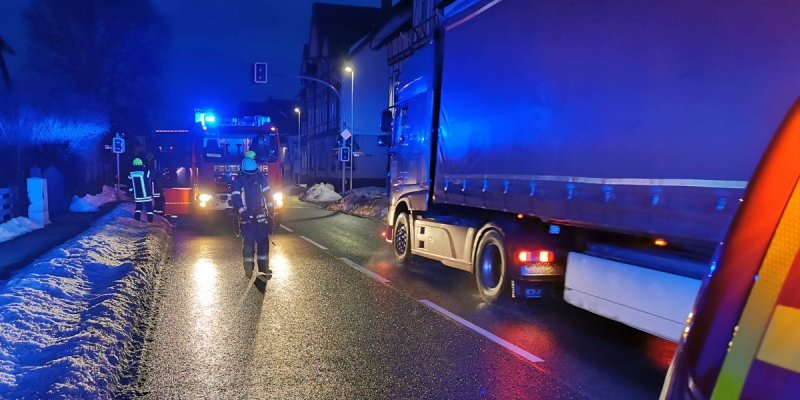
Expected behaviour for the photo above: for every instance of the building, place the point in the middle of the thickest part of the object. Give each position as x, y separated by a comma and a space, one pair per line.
333, 31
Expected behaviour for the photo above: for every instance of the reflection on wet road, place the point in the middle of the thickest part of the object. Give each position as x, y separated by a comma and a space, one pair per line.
347, 322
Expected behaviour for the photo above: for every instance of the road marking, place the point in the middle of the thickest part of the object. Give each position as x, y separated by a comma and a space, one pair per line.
286, 228
502, 342
365, 271
314, 243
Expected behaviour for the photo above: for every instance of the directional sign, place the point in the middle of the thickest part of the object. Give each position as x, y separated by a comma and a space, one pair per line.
344, 154
118, 145
346, 134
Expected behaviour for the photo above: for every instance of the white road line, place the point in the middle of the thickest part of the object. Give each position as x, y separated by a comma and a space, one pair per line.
502, 342
286, 228
366, 271
314, 243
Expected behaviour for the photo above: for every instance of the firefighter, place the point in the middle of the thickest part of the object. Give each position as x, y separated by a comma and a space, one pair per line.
252, 199
142, 188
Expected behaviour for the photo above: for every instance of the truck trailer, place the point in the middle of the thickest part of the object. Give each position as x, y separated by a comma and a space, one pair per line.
595, 149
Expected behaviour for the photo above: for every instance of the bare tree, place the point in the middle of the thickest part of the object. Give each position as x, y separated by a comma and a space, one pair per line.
5, 48
106, 51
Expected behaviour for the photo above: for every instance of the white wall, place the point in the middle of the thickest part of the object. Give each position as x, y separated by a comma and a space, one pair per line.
371, 98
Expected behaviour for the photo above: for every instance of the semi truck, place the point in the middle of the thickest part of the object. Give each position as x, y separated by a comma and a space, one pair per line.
596, 150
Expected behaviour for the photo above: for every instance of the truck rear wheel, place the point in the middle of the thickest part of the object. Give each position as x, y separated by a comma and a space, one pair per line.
402, 239
490, 267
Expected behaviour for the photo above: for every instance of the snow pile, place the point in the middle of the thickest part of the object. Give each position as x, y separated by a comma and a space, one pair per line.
72, 322
367, 202
321, 193
17, 227
91, 203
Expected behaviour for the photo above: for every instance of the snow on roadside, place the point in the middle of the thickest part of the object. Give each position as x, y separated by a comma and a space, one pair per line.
91, 203
17, 227
367, 202
72, 322
321, 193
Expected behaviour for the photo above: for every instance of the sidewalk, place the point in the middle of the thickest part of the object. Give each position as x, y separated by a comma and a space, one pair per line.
21, 251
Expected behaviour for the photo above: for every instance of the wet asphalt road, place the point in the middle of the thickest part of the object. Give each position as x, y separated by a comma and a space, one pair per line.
325, 329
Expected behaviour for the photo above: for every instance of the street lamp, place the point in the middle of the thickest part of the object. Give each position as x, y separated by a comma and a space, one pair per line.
299, 137
352, 72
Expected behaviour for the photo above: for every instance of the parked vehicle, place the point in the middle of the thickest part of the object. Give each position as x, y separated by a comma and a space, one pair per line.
602, 146
741, 339
197, 165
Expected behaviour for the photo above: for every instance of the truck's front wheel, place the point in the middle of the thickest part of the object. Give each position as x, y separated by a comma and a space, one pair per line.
490, 267
402, 239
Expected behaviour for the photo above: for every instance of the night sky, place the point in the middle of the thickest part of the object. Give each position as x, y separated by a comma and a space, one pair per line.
214, 43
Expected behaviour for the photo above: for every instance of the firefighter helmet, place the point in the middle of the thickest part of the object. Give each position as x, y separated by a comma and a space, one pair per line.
249, 164
137, 162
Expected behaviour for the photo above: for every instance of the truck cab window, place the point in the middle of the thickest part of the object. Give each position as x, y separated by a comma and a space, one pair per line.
401, 128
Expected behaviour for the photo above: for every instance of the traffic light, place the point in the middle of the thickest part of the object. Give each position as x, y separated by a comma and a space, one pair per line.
344, 154
118, 145
260, 72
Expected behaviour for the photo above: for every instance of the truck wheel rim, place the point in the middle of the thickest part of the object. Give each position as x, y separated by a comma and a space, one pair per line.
490, 267
400, 240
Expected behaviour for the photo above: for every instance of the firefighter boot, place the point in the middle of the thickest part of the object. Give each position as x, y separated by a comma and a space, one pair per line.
248, 267
264, 273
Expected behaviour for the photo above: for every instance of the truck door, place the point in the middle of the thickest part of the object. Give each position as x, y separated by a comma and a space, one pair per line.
410, 152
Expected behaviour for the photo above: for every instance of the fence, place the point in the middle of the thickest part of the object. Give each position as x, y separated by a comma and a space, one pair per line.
6, 204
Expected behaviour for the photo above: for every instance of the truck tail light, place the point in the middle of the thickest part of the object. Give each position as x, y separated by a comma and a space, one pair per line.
542, 256
546, 256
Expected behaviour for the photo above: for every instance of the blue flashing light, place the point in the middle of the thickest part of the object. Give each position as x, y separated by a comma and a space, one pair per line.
712, 269
554, 229
210, 118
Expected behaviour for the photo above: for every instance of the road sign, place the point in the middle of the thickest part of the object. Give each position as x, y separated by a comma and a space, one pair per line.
260, 72
344, 154
118, 145
346, 134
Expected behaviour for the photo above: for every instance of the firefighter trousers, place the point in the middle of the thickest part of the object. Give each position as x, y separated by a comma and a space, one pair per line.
255, 245
144, 206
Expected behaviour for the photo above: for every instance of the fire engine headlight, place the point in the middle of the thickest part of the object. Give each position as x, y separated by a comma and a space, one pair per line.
278, 199
205, 197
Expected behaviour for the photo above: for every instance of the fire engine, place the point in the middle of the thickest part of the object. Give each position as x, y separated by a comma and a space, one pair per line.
197, 165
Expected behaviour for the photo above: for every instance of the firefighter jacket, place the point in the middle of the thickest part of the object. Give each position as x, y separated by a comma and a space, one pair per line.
141, 184
251, 195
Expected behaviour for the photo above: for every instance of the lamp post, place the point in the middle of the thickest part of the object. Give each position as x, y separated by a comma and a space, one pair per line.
299, 142
352, 119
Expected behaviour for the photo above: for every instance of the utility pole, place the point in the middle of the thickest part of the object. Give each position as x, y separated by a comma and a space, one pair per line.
352, 119
299, 144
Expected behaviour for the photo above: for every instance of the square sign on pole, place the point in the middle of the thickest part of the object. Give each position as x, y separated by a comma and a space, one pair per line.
260, 72
344, 154
118, 145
